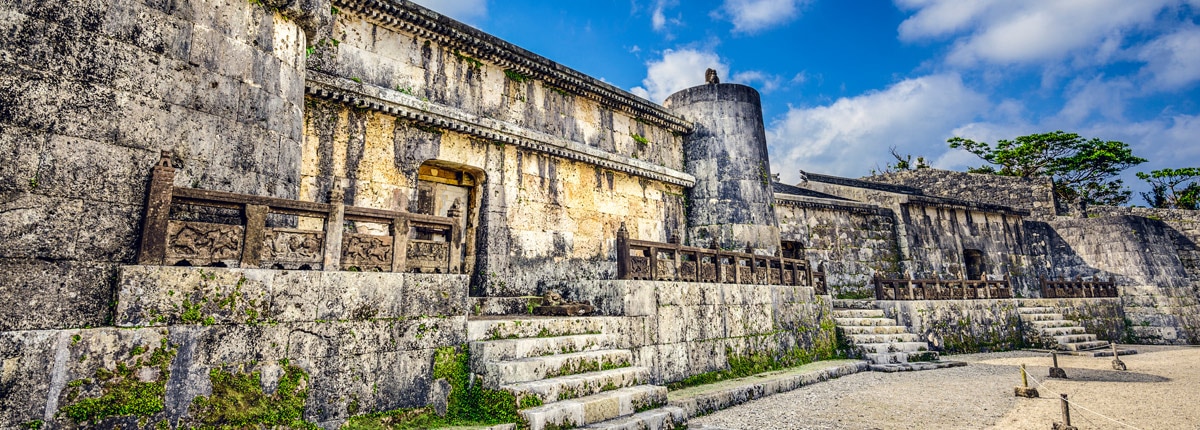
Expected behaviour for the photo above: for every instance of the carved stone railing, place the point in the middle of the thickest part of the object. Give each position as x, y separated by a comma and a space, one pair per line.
1077, 288
941, 289
250, 243
640, 259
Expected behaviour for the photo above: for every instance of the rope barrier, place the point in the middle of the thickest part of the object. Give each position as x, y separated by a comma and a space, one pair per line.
1076, 404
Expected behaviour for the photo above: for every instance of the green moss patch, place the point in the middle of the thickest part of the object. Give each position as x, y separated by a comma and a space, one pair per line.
238, 401
468, 404
824, 347
122, 393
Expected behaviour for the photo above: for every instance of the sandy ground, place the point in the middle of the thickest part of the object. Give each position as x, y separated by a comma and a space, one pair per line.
1160, 390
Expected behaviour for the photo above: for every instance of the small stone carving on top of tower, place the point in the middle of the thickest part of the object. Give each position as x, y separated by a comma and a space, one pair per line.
710, 76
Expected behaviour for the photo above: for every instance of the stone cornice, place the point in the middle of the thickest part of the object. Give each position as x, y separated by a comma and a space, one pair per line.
410, 17
830, 204
432, 114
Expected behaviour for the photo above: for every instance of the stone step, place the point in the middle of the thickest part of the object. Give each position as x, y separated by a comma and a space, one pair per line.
1062, 331
873, 329
513, 349
854, 304
1036, 310
522, 305
858, 313
575, 386
859, 322
902, 357
492, 328
917, 366
1080, 346
1075, 338
869, 348
1053, 323
859, 339
595, 408
664, 418
1042, 317
498, 373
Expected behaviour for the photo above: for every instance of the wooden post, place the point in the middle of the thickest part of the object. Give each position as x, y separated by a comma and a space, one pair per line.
1117, 364
653, 259
400, 230
333, 230
254, 235
622, 252
153, 248
1066, 410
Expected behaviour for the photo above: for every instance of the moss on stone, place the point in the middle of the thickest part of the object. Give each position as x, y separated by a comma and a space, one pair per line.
122, 392
467, 404
238, 401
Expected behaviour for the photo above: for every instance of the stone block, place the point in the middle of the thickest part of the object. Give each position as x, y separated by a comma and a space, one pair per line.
21, 147
25, 358
435, 295
361, 296
40, 294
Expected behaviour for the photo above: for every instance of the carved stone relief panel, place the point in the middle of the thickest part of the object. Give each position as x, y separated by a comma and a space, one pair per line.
203, 244
293, 249
369, 253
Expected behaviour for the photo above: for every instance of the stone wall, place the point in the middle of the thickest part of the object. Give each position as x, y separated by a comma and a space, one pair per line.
851, 242
969, 326
540, 217
1147, 258
694, 328
938, 236
1035, 195
90, 92
366, 342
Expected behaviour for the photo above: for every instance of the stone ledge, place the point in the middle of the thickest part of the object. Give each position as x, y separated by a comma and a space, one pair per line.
706, 399
402, 105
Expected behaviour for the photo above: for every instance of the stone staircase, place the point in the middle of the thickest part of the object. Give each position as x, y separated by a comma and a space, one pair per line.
888, 346
570, 371
1052, 330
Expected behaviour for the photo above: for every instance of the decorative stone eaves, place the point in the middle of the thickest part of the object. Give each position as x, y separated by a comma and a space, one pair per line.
828, 204
449, 118
410, 17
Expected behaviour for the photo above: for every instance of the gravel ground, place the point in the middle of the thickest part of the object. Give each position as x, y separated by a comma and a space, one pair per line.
1160, 390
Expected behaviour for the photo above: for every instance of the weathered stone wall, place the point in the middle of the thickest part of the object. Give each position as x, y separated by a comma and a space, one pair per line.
541, 217
366, 342
968, 326
1151, 259
1035, 195
694, 328
852, 242
560, 167
90, 92
939, 235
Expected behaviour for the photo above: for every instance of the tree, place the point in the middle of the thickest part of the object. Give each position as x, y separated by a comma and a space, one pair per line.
1167, 190
903, 162
1082, 169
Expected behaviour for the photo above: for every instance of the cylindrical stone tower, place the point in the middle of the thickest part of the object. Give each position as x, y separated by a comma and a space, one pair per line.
733, 199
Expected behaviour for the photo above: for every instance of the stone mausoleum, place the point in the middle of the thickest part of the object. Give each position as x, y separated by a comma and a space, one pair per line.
314, 210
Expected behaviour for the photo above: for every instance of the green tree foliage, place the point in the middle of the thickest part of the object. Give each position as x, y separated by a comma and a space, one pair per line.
1082, 169
1168, 189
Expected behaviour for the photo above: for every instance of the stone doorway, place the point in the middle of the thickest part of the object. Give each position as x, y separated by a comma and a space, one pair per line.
973, 260
450, 190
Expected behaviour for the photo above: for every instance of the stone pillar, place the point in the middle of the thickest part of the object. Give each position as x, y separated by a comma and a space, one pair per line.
732, 200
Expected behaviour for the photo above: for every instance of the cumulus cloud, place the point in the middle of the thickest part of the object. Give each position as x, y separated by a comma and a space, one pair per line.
750, 16
766, 83
462, 10
677, 70
1173, 60
853, 135
1024, 31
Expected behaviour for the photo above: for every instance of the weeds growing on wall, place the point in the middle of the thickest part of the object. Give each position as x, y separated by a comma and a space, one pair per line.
238, 401
122, 392
468, 403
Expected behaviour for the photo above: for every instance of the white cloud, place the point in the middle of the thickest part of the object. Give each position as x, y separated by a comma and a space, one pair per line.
1173, 60
462, 10
677, 70
749, 16
658, 17
765, 83
853, 135
1024, 31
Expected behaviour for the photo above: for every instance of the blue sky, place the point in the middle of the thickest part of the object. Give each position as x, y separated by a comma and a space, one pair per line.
843, 81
